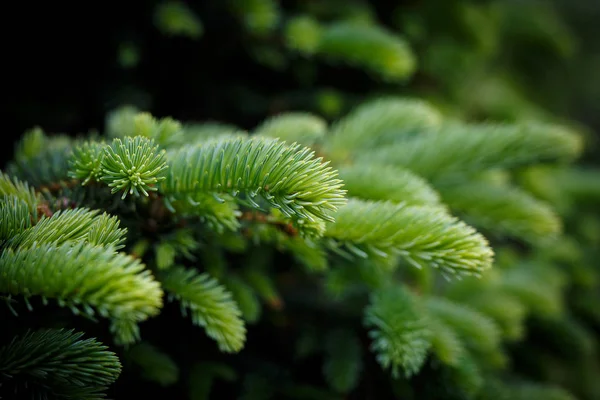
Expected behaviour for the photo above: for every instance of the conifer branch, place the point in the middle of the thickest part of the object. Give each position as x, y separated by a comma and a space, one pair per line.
11, 186
15, 217
475, 328
210, 305
304, 128
445, 342
503, 209
382, 182
58, 363
380, 122
370, 47
287, 177
457, 150
421, 235
399, 330
74, 225
101, 281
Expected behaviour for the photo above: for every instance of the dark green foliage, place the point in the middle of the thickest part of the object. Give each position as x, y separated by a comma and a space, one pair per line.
58, 364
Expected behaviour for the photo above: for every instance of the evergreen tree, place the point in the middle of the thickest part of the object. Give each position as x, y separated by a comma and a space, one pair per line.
403, 243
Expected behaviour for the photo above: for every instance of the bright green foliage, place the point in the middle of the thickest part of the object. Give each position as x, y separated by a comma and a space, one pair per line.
56, 362
132, 166
209, 304
381, 122
43, 163
366, 234
103, 281
78, 225
445, 342
381, 182
456, 150
399, 330
10, 186
538, 287
423, 236
86, 164
375, 49
476, 329
31, 144
303, 128
288, 177
14, 217
503, 210
379, 200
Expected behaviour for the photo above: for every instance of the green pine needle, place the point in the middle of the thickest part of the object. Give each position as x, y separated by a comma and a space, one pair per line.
288, 177
421, 235
399, 330
211, 306
133, 165
61, 361
101, 281
80, 224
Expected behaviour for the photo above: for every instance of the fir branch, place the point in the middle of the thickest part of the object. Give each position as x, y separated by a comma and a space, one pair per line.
371, 47
11, 186
211, 306
504, 210
133, 165
197, 133
128, 121
301, 127
380, 122
506, 310
60, 362
288, 177
48, 164
445, 342
245, 297
458, 150
399, 330
539, 288
421, 235
88, 279
15, 217
475, 328
74, 225
220, 214
86, 163
381, 182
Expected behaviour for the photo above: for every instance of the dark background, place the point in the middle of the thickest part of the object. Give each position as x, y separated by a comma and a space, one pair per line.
61, 70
